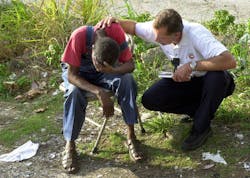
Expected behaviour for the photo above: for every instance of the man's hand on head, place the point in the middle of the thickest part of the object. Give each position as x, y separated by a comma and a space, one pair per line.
106, 22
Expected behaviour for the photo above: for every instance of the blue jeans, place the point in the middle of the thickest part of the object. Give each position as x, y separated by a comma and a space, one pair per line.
123, 86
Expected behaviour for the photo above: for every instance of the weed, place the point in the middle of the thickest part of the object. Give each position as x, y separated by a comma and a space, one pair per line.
54, 81
23, 82
15, 24
159, 124
146, 72
238, 42
3, 74
53, 54
113, 146
90, 11
221, 22
3, 70
236, 36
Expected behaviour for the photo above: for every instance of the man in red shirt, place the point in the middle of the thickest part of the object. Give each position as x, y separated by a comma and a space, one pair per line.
87, 69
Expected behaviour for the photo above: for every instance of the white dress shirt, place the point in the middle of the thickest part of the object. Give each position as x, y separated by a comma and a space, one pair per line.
197, 43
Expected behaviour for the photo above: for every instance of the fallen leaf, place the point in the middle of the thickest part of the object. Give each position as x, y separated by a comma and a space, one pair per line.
33, 93
18, 97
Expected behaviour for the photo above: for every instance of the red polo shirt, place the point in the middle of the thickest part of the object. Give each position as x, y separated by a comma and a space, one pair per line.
76, 45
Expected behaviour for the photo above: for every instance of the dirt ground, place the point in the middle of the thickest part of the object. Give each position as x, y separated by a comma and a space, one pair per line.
47, 162
193, 10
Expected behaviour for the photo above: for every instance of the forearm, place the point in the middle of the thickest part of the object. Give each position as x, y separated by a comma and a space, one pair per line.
84, 84
80, 82
127, 25
102, 95
127, 67
221, 62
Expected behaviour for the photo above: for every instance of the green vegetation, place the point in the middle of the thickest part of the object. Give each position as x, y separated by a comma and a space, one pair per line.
160, 124
235, 36
30, 124
40, 30
237, 39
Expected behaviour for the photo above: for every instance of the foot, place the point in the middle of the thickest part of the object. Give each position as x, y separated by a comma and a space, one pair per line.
196, 139
69, 159
132, 145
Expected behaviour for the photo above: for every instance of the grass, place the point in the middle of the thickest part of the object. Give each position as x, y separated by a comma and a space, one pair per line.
29, 125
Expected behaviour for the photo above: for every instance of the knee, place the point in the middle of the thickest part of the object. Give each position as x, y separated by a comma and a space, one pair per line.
216, 80
128, 80
215, 75
216, 84
75, 92
146, 100
77, 95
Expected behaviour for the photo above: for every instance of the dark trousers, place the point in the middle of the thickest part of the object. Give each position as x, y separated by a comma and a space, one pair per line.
198, 98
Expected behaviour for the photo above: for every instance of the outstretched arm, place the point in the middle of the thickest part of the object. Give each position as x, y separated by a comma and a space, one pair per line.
127, 25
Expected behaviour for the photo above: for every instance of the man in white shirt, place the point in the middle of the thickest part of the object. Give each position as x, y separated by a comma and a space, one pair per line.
200, 81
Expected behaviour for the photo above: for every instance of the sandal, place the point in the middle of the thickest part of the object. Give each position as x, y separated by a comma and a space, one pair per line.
132, 146
69, 160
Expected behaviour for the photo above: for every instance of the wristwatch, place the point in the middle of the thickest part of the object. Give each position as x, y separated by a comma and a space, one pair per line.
193, 65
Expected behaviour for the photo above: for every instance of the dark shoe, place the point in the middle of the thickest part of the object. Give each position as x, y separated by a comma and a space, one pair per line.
186, 119
196, 139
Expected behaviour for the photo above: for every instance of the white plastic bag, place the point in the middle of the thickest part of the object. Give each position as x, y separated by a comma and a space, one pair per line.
23, 152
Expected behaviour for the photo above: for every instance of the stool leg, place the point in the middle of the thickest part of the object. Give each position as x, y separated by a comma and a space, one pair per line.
140, 123
94, 150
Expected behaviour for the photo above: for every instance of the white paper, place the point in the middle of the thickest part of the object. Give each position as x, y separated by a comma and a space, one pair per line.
239, 136
164, 74
247, 166
214, 157
23, 152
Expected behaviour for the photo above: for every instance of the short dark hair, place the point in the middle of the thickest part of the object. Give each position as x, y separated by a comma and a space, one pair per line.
106, 49
170, 19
